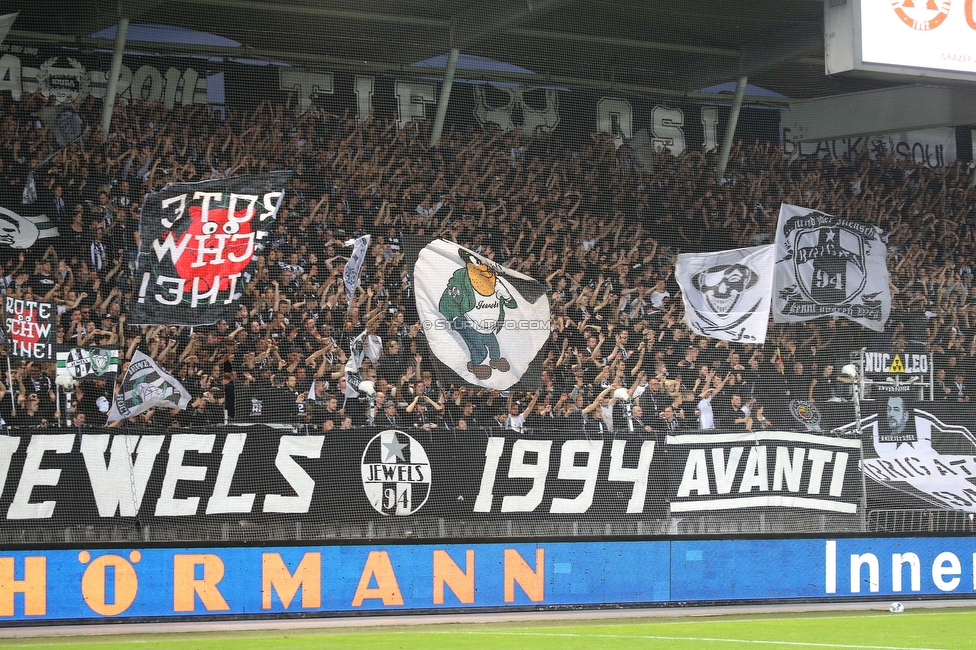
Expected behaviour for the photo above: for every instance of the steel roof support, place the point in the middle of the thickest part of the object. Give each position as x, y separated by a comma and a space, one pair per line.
108, 104
723, 156
452, 59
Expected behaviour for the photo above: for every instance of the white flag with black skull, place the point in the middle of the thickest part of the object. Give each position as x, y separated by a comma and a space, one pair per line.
829, 266
727, 294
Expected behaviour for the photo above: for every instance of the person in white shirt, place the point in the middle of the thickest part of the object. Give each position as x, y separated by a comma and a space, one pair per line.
706, 415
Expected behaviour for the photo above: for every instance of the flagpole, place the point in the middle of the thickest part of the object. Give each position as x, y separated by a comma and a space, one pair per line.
10, 383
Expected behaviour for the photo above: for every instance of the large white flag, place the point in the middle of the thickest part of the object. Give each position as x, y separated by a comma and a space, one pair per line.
727, 294
829, 266
484, 322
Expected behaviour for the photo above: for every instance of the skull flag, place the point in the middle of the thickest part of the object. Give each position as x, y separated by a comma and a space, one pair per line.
727, 294
829, 266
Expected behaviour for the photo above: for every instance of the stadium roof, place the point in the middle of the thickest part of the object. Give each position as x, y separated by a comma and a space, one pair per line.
646, 47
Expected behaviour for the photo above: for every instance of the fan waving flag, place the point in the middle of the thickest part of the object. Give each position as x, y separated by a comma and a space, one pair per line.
198, 241
485, 323
829, 266
146, 386
727, 294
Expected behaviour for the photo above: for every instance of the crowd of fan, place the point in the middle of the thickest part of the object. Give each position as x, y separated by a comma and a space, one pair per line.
600, 230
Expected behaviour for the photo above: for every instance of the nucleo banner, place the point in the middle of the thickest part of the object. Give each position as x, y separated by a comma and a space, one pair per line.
43, 585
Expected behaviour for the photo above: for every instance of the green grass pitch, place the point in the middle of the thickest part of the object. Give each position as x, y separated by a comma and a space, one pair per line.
946, 629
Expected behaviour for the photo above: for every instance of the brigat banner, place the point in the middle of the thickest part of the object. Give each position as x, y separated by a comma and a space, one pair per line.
197, 245
484, 322
829, 266
29, 328
727, 294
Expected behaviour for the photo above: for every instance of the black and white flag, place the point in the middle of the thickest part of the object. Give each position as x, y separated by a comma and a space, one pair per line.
350, 275
197, 247
146, 386
727, 294
829, 266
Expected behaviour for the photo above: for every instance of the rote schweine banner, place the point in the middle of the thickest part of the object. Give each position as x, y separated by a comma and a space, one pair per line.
829, 266
29, 328
727, 294
484, 322
197, 244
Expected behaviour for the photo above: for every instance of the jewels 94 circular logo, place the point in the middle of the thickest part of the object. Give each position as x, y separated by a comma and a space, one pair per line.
396, 473
922, 15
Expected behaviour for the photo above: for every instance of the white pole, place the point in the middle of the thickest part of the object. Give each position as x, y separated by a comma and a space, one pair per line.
435, 133
108, 103
723, 156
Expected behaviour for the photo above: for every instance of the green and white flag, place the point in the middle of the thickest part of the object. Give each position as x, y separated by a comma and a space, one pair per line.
79, 363
146, 386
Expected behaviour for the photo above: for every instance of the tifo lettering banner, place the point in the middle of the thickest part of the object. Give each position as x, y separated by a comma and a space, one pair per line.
262, 475
197, 244
28, 326
309, 580
65, 76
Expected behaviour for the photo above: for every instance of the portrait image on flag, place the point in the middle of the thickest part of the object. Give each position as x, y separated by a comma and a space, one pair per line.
483, 322
829, 266
198, 242
727, 294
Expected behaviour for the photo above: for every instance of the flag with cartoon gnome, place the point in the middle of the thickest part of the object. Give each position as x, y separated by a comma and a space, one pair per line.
484, 323
146, 386
829, 266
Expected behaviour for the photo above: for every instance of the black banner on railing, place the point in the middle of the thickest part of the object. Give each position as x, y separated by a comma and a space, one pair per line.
271, 476
764, 469
262, 475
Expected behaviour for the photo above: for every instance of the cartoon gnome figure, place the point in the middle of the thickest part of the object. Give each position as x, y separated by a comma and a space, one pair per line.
474, 302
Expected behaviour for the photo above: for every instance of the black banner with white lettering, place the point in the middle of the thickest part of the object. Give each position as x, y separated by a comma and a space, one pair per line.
720, 471
262, 476
261, 479
197, 245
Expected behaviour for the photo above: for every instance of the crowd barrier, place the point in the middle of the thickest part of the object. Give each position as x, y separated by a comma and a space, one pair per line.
159, 583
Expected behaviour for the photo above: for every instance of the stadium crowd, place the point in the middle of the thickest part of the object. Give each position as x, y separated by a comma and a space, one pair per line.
599, 229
